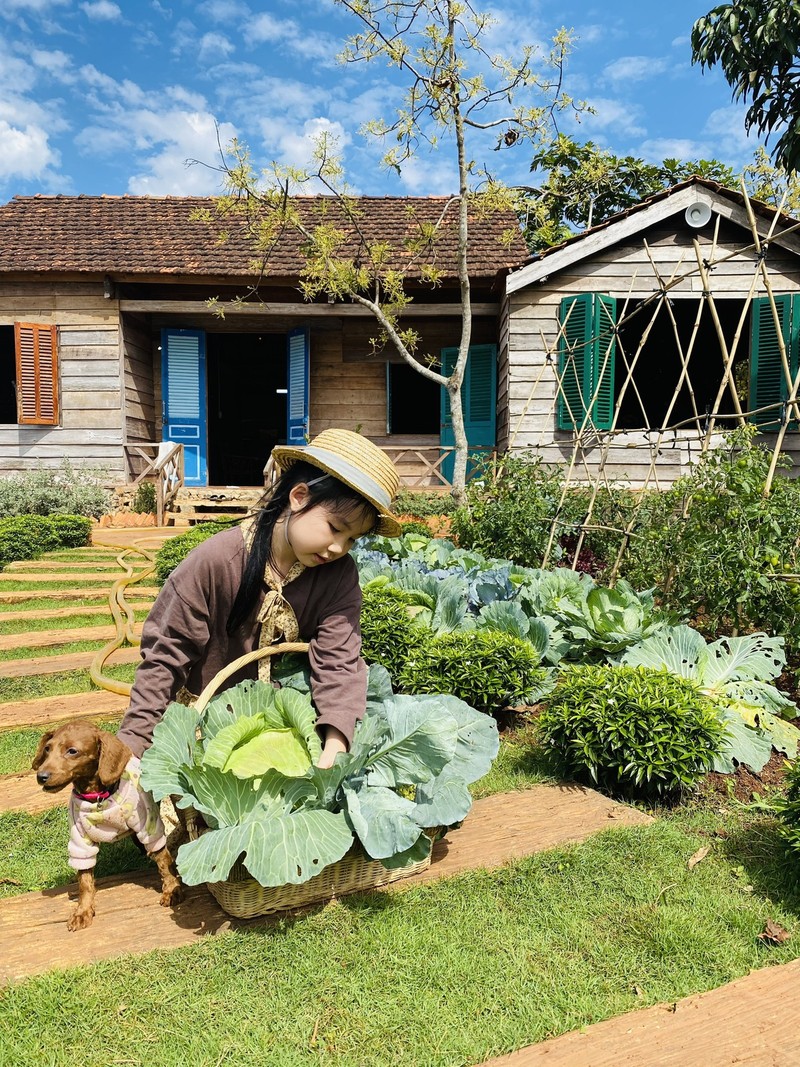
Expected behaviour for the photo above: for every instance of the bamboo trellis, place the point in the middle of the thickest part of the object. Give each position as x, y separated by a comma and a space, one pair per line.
700, 431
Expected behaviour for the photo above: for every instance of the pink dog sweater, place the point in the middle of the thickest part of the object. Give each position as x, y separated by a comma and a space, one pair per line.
93, 822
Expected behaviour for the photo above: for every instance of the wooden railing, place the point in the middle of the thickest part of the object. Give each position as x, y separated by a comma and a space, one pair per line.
431, 459
163, 464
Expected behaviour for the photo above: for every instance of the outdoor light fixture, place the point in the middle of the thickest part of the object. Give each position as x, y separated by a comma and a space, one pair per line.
281, 390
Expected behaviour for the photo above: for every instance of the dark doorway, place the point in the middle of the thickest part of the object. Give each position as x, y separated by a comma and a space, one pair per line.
8, 376
246, 404
414, 401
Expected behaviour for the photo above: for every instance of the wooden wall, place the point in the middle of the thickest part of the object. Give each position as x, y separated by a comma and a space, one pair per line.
91, 430
527, 383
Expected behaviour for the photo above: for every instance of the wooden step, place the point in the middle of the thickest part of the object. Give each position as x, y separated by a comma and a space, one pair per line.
48, 638
90, 576
33, 926
19, 596
24, 566
45, 711
20, 792
70, 661
50, 613
733, 1024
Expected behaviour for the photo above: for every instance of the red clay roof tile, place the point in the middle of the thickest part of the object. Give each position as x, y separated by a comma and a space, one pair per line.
133, 235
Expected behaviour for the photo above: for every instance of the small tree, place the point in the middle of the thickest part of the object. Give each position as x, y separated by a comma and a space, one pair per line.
757, 44
449, 100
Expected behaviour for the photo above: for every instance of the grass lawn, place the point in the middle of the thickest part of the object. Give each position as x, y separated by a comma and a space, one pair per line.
443, 974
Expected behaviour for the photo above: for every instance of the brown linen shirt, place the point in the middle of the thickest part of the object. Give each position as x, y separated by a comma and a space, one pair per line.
185, 642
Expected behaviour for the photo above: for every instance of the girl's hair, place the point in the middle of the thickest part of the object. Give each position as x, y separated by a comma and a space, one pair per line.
322, 489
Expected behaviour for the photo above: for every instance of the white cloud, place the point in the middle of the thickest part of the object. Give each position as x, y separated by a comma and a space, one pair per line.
32, 6
214, 46
26, 152
102, 11
56, 63
635, 68
264, 29
430, 175
293, 146
225, 11
191, 136
615, 116
658, 149
724, 128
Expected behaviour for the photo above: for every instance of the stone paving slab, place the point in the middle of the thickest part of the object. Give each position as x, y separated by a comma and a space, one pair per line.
751, 1022
33, 927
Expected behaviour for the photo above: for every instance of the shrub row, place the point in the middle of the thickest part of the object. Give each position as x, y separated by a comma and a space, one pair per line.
63, 491
27, 536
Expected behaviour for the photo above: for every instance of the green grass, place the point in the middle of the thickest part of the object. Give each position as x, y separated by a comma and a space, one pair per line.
63, 683
67, 582
444, 974
17, 747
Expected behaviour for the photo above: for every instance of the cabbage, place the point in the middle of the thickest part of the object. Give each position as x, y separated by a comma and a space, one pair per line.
249, 766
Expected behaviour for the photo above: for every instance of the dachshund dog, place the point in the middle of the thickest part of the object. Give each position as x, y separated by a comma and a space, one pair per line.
106, 803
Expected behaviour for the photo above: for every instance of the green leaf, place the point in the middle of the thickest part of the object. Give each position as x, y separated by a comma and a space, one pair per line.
418, 745
443, 802
171, 751
383, 821
742, 745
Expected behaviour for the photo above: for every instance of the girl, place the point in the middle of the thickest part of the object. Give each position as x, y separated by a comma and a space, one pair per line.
283, 575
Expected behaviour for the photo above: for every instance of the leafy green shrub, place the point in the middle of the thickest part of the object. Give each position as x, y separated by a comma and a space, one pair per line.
388, 633
423, 505
65, 491
510, 510
631, 729
487, 670
144, 499
414, 528
27, 536
787, 808
72, 531
178, 548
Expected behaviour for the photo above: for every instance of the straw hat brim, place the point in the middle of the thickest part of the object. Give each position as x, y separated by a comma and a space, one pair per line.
285, 455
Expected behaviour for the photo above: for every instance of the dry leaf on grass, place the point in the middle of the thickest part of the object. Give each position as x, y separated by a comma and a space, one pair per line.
773, 934
699, 855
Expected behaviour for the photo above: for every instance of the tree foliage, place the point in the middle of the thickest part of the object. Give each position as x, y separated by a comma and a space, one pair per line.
757, 44
585, 185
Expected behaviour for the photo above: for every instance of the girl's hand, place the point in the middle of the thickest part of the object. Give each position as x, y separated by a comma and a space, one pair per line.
335, 742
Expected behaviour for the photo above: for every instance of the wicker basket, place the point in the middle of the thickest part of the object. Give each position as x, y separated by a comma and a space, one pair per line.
242, 896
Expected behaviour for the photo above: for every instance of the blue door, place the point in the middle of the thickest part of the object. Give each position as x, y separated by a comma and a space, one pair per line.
183, 385
297, 357
478, 402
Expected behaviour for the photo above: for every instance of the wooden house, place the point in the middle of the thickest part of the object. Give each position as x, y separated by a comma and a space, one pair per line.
108, 345
630, 346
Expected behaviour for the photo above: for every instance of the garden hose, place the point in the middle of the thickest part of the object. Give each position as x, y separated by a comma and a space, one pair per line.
122, 614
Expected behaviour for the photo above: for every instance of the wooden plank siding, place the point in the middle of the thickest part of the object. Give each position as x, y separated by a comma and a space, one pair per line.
527, 385
90, 430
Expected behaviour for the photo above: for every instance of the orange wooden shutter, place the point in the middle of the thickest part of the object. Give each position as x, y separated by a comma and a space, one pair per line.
37, 374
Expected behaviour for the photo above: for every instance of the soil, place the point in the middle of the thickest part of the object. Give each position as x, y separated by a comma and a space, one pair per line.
745, 784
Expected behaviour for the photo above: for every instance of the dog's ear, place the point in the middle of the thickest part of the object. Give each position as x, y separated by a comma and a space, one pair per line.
38, 759
114, 756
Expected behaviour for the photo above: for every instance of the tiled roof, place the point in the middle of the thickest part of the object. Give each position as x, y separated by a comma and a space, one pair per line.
137, 235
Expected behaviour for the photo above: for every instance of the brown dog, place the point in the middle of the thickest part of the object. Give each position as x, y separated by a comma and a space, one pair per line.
106, 803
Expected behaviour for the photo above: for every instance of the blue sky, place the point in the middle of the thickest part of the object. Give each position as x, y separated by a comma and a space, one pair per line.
113, 96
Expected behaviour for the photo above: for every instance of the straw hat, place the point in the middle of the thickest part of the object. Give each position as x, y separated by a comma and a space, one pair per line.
355, 461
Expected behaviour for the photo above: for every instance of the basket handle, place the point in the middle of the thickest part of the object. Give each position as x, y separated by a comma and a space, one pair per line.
242, 661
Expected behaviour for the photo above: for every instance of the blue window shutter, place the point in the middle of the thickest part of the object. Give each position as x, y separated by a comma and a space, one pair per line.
478, 400
604, 357
183, 387
297, 375
768, 385
575, 359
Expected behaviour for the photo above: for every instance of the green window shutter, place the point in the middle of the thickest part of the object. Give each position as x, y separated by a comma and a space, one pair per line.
768, 385
574, 359
604, 357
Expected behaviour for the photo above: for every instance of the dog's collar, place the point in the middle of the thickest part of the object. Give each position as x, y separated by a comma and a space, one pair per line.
96, 797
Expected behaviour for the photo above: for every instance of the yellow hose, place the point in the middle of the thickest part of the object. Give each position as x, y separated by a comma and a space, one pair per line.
122, 614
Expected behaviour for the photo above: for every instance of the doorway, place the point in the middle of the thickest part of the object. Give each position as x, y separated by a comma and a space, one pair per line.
246, 404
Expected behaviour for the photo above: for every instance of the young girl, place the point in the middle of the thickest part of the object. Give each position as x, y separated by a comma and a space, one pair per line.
283, 575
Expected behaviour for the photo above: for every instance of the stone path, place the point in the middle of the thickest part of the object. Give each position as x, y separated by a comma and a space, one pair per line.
33, 926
